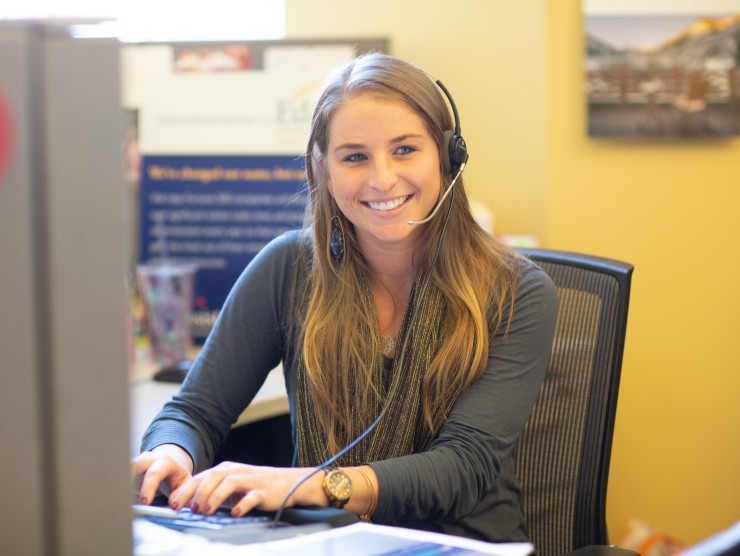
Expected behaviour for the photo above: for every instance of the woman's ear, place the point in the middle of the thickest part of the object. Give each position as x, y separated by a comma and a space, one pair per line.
321, 161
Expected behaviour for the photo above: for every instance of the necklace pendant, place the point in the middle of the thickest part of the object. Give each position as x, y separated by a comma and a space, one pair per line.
387, 344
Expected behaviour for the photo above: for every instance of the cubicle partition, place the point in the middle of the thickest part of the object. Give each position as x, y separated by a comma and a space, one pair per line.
64, 472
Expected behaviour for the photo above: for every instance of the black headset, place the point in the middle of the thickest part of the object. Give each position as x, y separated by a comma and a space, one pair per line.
456, 153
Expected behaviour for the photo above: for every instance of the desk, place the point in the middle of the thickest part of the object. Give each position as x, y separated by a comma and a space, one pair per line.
146, 398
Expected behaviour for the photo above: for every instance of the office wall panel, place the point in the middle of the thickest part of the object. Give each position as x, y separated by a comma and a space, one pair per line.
65, 423
20, 455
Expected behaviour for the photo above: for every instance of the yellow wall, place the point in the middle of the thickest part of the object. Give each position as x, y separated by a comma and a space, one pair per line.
515, 70
671, 209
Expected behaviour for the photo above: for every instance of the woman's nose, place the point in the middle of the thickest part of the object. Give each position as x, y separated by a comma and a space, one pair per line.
383, 174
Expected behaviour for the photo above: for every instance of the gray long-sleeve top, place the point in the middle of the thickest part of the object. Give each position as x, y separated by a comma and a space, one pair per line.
463, 484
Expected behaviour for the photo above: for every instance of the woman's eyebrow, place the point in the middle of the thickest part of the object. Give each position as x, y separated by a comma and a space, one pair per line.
405, 136
357, 146
349, 146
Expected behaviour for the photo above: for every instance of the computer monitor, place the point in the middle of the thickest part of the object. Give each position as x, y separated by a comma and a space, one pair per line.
64, 472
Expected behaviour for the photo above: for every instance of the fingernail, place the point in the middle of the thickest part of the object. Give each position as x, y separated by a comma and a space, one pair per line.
207, 509
143, 500
175, 505
195, 507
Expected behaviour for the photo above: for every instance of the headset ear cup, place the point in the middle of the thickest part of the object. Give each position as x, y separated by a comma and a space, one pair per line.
455, 149
447, 141
456, 153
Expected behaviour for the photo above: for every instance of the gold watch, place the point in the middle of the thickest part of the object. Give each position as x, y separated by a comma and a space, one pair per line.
338, 487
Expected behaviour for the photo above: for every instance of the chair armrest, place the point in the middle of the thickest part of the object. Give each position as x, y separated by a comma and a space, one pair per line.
602, 550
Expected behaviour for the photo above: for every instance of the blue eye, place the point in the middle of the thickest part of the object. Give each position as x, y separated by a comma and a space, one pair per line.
405, 150
357, 157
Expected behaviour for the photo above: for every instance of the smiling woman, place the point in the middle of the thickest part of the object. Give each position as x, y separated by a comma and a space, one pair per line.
412, 353
383, 170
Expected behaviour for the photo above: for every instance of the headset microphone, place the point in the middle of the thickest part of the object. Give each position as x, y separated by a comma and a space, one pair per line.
439, 204
454, 157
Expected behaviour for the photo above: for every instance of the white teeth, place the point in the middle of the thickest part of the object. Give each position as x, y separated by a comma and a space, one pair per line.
387, 205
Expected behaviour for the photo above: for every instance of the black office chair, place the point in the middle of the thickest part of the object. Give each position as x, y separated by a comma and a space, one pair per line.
563, 454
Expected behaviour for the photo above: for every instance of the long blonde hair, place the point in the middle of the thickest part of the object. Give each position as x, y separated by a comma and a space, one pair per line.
476, 275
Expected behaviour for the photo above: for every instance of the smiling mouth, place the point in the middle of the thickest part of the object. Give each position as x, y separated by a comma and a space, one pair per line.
387, 205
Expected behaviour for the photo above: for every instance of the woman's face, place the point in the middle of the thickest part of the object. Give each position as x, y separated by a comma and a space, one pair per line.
383, 169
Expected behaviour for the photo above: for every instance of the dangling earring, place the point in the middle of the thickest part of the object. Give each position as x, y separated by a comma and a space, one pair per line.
336, 239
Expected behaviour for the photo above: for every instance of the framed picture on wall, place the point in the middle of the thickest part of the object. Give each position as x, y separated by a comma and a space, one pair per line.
662, 69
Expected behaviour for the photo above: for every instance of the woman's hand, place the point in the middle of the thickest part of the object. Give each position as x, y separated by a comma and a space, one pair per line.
167, 463
245, 487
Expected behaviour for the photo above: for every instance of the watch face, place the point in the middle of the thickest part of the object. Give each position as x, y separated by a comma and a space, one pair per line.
339, 484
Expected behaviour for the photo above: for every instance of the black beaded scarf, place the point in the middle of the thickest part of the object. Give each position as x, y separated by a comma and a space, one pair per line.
403, 429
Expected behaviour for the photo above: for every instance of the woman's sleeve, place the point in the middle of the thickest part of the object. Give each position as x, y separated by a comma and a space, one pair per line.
244, 345
447, 481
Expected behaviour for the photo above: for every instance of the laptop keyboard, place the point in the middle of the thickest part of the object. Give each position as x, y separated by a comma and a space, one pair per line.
221, 526
187, 519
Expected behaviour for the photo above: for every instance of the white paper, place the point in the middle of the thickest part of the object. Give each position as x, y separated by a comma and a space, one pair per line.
227, 113
364, 539
137, 64
360, 539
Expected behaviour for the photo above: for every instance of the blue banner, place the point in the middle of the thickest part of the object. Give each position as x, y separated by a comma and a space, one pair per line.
218, 212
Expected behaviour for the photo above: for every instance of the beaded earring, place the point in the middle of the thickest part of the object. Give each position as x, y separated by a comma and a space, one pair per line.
336, 239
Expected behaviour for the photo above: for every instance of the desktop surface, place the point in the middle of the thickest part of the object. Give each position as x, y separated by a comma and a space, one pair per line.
147, 396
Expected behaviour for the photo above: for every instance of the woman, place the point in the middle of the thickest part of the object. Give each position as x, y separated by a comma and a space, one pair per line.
373, 311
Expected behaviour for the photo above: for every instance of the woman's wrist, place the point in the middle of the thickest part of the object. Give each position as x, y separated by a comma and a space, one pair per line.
177, 453
364, 498
311, 492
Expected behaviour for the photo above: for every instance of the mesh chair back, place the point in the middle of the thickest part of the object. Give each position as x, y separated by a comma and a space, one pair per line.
564, 451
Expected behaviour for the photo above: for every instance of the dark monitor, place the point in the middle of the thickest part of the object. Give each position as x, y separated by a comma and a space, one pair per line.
64, 472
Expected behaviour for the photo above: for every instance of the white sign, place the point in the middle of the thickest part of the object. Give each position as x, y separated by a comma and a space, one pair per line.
253, 112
